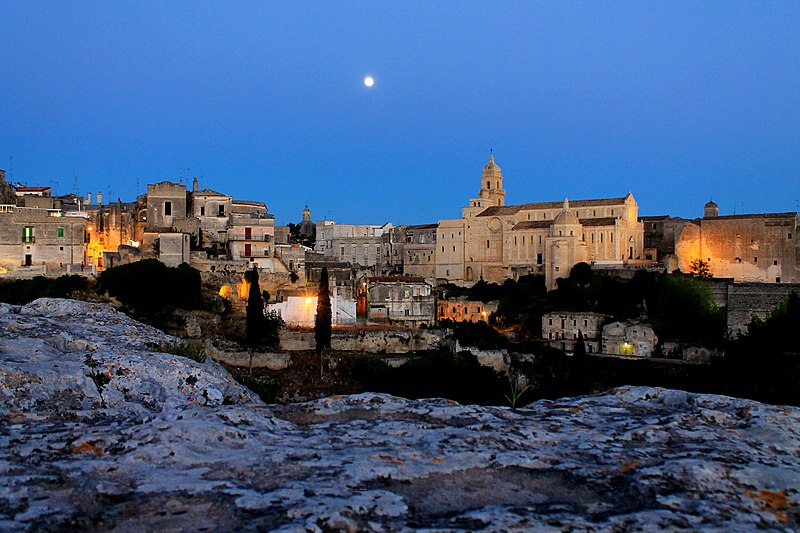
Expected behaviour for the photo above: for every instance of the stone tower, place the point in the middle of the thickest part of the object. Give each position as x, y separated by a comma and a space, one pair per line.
711, 209
492, 184
491, 193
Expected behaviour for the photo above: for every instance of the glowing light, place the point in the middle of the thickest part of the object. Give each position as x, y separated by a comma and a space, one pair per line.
308, 301
369, 81
135, 244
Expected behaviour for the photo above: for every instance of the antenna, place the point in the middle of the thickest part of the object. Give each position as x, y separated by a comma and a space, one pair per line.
11, 170
55, 184
75, 185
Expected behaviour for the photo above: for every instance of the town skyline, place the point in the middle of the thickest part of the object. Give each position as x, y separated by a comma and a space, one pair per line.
677, 104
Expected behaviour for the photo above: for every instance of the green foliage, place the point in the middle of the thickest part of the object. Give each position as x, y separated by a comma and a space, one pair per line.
150, 289
267, 389
322, 322
523, 302
441, 374
295, 237
23, 291
777, 333
272, 326
478, 334
682, 307
700, 269
515, 393
764, 363
580, 347
255, 310
481, 291
184, 349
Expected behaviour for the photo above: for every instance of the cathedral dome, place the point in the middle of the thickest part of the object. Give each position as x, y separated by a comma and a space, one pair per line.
566, 217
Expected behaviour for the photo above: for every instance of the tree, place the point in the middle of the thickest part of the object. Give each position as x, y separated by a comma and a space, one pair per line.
322, 322
700, 269
580, 348
255, 310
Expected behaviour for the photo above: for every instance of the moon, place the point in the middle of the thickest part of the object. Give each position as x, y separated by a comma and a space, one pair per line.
369, 81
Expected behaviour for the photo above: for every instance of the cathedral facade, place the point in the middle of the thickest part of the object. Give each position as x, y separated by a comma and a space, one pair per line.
495, 242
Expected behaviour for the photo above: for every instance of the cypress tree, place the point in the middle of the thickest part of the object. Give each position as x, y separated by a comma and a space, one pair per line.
255, 311
579, 352
322, 322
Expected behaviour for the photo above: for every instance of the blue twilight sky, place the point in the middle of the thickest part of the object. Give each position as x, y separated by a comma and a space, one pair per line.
677, 102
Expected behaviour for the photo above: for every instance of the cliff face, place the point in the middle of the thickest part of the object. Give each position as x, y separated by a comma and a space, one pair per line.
162, 442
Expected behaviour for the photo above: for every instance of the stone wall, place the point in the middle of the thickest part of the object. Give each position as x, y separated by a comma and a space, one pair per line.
746, 300
373, 341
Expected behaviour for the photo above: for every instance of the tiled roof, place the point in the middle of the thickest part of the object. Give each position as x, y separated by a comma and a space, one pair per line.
756, 215
603, 221
513, 209
533, 224
208, 192
396, 279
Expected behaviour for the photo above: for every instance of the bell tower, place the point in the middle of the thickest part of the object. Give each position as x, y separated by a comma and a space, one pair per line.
491, 193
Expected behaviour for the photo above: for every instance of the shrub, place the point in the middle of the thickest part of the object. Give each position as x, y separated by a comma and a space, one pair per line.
23, 291
184, 349
266, 388
149, 287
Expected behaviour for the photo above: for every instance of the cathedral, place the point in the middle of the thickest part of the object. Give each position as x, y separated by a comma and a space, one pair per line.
495, 242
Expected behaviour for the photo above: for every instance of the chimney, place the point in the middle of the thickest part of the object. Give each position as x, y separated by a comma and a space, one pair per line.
89, 199
194, 185
99, 197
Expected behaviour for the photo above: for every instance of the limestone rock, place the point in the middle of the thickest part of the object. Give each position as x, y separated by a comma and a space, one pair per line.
169, 444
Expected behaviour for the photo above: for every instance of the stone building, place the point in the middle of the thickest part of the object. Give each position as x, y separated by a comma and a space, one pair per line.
251, 234
212, 209
173, 248
167, 206
495, 242
32, 236
354, 243
411, 250
763, 247
463, 310
405, 300
561, 328
626, 338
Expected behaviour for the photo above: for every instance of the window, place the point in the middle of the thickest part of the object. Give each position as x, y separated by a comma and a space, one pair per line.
202, 211
775, 262
60, 232
755, 260
27, 234
487, 244
221, 210
538, 259
168, 209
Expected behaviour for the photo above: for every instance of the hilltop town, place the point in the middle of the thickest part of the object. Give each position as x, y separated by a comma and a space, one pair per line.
388, 272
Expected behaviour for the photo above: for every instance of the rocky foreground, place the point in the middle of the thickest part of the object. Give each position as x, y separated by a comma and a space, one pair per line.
101, 432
